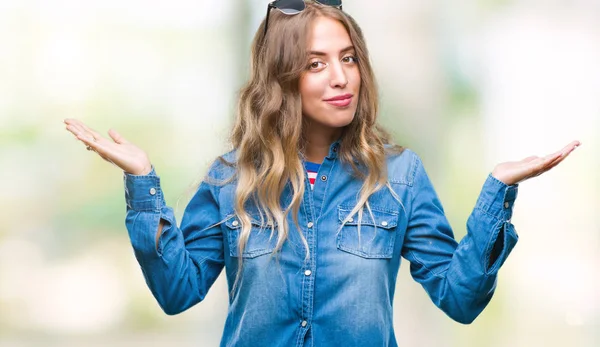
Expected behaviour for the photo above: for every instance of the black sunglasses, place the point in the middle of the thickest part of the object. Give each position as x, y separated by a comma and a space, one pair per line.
292, 7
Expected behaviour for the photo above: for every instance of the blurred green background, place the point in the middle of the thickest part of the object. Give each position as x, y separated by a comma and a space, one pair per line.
466, 84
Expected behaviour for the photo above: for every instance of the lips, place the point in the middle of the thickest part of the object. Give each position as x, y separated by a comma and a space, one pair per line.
340, 100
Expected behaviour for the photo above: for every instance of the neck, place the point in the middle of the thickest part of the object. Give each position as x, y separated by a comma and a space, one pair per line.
318, 141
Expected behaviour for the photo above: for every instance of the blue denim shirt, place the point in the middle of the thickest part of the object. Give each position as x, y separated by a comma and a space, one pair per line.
343, 294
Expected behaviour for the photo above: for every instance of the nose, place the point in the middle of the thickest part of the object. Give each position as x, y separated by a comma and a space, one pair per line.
338, 77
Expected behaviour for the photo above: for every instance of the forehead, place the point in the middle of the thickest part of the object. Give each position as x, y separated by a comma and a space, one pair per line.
328, 35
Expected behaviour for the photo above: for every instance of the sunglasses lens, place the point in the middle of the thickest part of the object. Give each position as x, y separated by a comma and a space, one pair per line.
289, 11
290, 7
335, 3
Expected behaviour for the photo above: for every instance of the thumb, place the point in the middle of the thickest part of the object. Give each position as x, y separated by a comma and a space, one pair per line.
117, 137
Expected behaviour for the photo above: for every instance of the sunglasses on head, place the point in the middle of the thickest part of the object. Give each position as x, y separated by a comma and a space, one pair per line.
292, 7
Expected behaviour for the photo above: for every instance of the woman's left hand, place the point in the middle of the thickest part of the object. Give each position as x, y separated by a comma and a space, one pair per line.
514, 172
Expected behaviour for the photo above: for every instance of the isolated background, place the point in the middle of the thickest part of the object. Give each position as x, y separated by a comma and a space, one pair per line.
466, 84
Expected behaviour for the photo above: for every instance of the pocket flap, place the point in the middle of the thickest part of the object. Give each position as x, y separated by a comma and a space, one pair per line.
235, 223
379, 218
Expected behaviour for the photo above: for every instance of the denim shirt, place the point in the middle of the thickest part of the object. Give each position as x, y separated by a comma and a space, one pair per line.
343, 294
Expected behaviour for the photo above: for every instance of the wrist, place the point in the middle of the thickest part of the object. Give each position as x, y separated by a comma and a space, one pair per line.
502, 178
143, 172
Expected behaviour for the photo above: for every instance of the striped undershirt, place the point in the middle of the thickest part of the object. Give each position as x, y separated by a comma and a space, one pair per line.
312, 169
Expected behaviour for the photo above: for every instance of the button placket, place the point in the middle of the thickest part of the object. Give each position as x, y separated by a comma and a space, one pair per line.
306, 276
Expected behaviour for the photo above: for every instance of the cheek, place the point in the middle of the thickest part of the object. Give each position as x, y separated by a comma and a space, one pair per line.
356, 77
311, 88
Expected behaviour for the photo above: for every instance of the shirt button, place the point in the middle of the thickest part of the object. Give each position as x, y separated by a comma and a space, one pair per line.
384, 223
235, 223
323, 178
310, 224
506, 204
307, 273
334, 149
304, 323
152, 191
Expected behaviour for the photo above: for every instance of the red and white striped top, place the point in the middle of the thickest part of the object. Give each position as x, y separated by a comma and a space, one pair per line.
312, 169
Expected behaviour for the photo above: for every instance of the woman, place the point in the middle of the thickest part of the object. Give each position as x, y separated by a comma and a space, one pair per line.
312, 211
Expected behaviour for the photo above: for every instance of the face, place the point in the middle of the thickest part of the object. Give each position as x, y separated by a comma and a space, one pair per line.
330, 85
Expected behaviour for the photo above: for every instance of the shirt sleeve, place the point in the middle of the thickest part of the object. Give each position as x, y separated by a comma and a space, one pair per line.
181, 267
460, 278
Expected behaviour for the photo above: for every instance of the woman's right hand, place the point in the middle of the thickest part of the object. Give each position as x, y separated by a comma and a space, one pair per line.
119, 151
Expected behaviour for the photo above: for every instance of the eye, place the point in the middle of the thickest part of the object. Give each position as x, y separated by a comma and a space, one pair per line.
350, 59
316, 65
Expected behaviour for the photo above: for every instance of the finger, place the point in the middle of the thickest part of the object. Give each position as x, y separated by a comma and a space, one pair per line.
551, 166
575, 143
74, 122
82, 129
570, 148
117, 137
540, 165
93, 133
550, 157
537, 166
71, 129
558, 160
78, 130
92, 144
554, 163
565, 154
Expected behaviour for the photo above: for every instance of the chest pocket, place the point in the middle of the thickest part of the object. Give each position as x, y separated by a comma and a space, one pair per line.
377, 233
258, 243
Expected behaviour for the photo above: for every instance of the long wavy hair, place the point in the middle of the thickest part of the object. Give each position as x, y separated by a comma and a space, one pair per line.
268, 131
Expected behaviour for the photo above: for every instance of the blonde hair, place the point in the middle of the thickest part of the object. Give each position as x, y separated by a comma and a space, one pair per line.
268, 129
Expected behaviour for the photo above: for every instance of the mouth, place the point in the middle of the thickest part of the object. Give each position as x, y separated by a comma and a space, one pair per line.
340, 100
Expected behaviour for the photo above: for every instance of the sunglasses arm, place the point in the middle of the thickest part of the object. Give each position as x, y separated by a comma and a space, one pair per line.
267, 17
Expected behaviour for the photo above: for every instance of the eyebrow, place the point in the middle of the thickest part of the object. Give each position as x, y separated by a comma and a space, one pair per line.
349, 48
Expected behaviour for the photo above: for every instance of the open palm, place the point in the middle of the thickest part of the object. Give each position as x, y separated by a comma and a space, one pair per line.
119, 151
514, 172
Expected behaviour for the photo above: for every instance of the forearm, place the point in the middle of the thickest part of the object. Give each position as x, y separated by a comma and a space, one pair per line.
168, 269
461, 277
169, 263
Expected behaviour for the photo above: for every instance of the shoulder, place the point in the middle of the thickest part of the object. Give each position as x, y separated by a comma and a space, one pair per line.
403, 166
223, 167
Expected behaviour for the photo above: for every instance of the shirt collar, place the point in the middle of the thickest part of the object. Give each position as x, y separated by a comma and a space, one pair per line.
333, 150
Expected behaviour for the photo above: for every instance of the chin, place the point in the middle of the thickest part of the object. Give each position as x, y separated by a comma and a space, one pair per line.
334, 118
341, 121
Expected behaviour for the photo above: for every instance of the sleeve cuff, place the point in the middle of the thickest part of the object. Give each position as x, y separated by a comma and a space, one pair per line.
497, 199
143, 192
